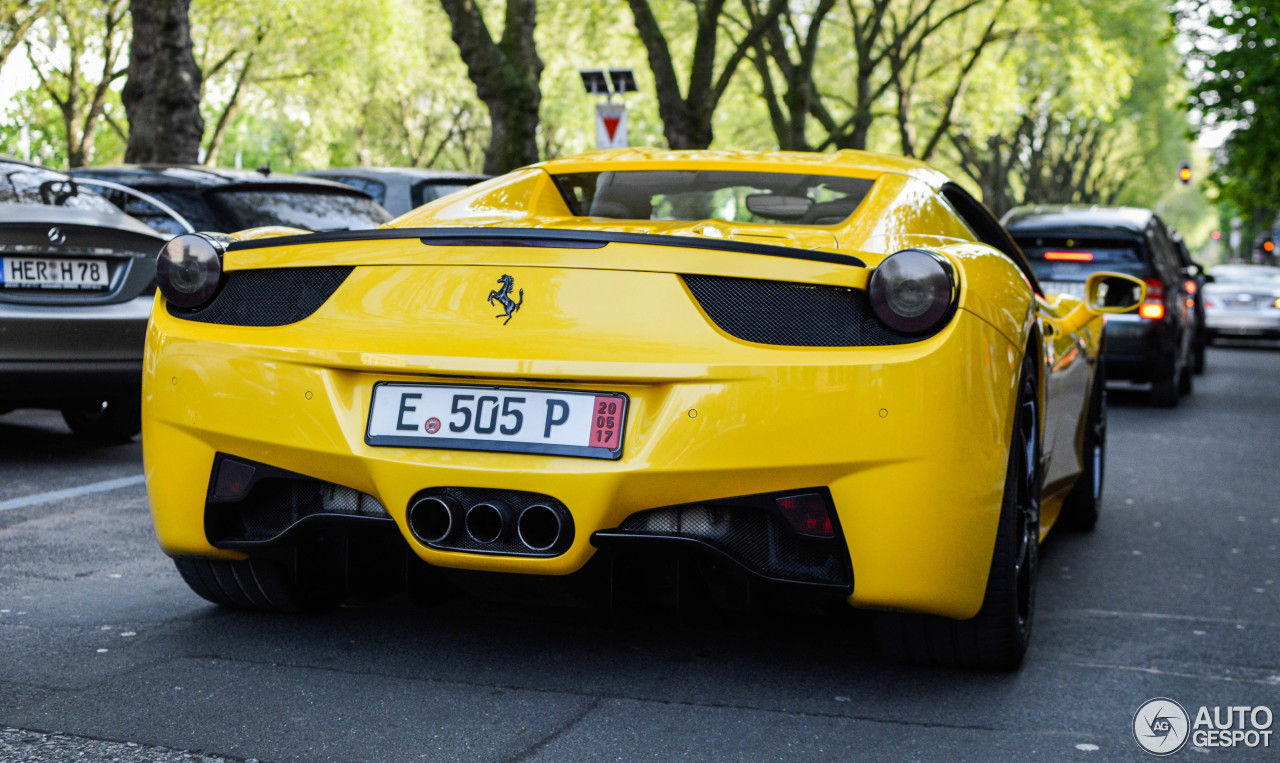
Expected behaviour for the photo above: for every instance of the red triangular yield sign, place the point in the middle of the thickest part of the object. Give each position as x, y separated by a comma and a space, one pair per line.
611, 125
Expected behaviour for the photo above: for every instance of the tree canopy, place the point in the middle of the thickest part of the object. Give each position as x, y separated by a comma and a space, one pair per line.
1026, 100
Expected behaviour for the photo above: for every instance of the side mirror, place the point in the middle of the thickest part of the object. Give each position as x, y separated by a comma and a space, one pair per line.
1113, 293
1208, 278
1105, 293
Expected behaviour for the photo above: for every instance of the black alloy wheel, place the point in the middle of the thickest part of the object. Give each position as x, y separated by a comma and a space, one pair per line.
997, 637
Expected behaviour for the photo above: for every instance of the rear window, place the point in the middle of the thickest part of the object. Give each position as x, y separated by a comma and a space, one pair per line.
740, 197
1077, 259
310, 210
34, 186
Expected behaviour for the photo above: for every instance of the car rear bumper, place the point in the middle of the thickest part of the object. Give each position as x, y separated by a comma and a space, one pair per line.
911, 442
1227, 323
48, 354
1138, 349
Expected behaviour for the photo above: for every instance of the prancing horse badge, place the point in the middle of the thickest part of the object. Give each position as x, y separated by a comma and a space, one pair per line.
503, 296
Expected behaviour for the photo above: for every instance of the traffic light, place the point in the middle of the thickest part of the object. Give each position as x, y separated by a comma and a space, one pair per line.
1216, 235
1184, 173
1268, 246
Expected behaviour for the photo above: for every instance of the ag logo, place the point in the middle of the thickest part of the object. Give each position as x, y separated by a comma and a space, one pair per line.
56, 236
1160, 726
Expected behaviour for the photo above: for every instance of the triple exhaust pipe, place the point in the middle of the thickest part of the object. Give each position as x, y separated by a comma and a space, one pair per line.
439, 520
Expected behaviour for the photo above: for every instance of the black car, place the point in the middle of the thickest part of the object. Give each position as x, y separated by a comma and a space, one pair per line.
225, 200
77, 279
1196, 279
399, 189
1065, 244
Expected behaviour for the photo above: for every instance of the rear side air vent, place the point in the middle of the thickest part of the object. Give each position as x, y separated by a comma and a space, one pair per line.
792, 314
268, 297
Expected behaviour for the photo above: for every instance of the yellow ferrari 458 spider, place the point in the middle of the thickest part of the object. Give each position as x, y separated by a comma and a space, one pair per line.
833, 372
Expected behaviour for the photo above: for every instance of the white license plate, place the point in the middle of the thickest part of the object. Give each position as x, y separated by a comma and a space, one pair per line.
51, 273
515, 419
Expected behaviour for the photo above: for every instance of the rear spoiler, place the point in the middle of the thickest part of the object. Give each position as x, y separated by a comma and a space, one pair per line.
542, 237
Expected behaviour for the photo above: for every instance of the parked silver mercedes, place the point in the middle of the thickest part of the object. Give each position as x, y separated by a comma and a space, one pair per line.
77, 279
1243, 301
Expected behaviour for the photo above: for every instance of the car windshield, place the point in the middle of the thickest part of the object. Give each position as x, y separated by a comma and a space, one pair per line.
1261, 276
1077, 259
314, 210
731, 196
33, 186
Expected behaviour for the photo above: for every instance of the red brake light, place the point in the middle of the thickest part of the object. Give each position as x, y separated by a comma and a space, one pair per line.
1191, 287
807, 514
1153, 307
1070, 256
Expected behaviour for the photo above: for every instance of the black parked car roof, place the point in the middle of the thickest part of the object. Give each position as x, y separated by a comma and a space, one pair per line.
1077, 218
200, 176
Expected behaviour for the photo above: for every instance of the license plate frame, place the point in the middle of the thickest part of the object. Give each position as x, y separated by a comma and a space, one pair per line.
379, 430
99, 267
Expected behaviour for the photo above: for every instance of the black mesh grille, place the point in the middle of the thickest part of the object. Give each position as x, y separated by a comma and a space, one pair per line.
752, 536
270, 297
794, 314
274, 505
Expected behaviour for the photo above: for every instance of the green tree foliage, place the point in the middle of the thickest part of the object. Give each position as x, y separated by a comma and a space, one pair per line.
16, 19
77, 52
1032, 100
1236, 59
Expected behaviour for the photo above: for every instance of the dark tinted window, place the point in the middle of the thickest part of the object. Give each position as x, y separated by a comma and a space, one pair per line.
748, 197
430, 190
315, 210
1059, 259
372, 187
190, 203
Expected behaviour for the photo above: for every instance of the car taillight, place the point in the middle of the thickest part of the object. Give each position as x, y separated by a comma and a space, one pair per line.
1153, 307
1154, 311
1191, 287
189, 268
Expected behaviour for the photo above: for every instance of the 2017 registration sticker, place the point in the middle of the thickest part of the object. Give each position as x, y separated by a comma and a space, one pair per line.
514, 419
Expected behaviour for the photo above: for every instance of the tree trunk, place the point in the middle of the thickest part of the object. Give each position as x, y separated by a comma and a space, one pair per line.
162, 94
507, 77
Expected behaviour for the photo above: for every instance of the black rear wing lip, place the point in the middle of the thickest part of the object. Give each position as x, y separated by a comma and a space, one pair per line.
541, 237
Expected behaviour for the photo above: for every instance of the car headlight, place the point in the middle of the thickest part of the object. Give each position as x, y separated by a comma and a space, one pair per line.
189, 268
913, 291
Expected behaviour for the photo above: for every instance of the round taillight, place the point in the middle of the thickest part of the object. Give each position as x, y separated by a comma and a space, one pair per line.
189, 269
912, 291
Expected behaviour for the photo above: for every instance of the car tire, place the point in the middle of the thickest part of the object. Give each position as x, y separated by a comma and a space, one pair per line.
1197, 358
1081, 508
260, 584
1186, 378
115, 420
1164, 387
997, 637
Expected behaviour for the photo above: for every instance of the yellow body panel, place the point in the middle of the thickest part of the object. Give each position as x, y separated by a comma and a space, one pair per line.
912, 440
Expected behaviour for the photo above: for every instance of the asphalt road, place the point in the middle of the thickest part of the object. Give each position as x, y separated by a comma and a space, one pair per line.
105, 654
